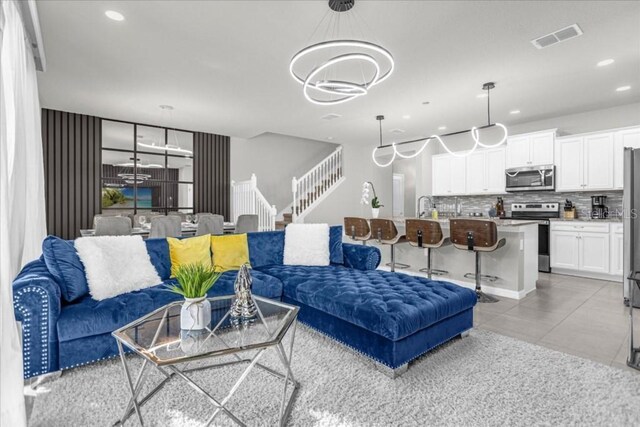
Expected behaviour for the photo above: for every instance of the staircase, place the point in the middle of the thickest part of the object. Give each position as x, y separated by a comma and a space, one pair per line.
246, 199
313, 187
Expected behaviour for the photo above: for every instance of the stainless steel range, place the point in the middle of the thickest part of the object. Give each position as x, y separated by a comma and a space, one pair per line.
540, 212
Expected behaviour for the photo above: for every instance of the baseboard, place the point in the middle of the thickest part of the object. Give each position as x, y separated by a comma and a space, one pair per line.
587, 274
499, 292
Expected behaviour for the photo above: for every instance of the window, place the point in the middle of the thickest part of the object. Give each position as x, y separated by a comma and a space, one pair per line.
146, 169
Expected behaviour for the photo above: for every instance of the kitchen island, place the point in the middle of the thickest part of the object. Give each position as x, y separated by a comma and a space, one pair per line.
515, 264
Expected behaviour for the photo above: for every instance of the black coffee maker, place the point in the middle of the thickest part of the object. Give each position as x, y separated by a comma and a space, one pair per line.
599, 210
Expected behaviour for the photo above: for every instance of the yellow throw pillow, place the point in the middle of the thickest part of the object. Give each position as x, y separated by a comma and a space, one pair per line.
230, 252
194, 250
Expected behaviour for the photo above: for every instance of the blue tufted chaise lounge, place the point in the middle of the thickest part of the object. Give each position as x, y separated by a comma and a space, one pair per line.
391, 318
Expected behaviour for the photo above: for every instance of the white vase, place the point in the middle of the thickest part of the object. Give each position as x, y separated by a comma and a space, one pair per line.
195, 314
375, 212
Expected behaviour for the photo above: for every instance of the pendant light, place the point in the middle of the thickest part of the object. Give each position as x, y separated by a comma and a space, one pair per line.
166, 116
475, 135
318, 69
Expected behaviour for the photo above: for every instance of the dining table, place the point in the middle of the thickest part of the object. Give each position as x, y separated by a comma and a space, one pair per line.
188, 229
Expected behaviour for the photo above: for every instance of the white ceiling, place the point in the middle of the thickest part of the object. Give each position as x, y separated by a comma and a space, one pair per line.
223, 65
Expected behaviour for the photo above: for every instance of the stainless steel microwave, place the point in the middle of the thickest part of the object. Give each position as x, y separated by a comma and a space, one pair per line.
531, 178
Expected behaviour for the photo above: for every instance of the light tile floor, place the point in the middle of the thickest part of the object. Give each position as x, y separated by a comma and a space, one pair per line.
574, 315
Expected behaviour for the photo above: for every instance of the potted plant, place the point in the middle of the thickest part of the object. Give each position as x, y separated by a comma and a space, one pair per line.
368, 188
194, 281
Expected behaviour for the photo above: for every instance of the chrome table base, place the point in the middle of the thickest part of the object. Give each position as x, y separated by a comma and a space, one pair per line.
286, 405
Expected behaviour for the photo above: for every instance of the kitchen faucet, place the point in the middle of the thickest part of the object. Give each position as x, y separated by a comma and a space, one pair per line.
418, 213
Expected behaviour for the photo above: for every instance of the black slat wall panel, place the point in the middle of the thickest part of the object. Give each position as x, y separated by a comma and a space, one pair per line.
212, 176
72, 158
72, 146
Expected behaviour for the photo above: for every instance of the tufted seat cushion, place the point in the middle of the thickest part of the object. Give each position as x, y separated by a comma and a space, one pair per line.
89, 317
389, 304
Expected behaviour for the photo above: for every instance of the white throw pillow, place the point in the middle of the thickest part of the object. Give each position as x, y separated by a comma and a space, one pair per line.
306, 244
116, 265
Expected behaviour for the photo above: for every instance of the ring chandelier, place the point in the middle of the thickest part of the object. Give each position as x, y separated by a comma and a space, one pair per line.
322, 84
475, 135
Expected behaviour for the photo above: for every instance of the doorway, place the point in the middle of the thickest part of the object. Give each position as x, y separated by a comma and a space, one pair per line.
398, 195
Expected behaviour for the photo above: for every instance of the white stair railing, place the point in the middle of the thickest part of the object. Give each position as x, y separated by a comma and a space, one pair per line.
246, 199
310, 187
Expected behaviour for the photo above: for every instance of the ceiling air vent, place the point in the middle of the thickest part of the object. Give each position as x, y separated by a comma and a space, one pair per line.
557, 36
331, 116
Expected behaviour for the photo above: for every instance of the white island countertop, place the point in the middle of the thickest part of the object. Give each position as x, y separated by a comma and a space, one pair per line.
515, 264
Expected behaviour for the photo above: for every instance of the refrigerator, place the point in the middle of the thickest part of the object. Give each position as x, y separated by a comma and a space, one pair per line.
631, 208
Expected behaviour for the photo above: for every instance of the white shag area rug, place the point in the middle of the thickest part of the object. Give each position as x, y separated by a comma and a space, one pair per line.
485, 379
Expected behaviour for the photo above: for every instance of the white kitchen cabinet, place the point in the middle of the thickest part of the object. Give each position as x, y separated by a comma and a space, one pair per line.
623, 138
598, 161
533, 149
485, 172
542, 148
594, 252
569, 164
448, 175
495, 166
616, 248
518, 151
476, 173
585, 163
565, 250
583, 247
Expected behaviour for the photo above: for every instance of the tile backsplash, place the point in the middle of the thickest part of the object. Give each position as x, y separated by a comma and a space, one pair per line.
581, 200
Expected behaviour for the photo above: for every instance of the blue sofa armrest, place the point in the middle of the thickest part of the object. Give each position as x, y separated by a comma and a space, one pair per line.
361, 257
36, 301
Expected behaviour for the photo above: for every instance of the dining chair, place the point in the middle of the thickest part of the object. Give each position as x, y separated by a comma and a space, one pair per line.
183, 216
165, 226
246, 224
112, 226
210, 224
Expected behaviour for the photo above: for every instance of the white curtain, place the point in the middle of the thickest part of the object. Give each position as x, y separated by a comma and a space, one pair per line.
22, 204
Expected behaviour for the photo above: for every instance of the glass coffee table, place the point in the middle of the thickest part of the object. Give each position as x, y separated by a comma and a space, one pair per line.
159, 341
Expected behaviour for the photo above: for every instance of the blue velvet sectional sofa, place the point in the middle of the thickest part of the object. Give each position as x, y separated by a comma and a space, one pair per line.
391, 318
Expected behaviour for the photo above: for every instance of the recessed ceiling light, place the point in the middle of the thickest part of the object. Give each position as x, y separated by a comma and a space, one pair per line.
623, 88
330, 138
514, 112
116, 16
481, 95
442, 128
406, 116
605, 62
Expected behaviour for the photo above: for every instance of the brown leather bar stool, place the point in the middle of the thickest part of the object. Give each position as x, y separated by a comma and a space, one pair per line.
386, 233
426, 233
357, 229
477, 236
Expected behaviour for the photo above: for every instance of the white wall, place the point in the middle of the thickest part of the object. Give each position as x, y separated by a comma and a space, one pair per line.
345, 200
275, 159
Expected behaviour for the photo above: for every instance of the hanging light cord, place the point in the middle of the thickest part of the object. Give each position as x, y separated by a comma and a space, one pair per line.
488, 105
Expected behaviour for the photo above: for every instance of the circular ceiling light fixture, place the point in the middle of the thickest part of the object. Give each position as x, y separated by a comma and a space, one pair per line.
605, 62
341, 69
113, 15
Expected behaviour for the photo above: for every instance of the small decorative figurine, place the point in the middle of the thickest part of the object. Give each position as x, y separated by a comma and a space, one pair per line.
243, 308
